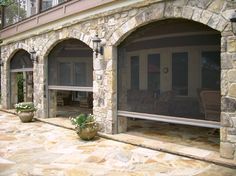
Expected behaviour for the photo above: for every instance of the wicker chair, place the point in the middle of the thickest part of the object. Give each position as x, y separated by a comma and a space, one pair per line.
60, 101
164, 102
211, 104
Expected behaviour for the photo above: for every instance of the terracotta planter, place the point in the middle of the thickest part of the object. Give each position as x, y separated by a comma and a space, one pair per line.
87, 133
26, 116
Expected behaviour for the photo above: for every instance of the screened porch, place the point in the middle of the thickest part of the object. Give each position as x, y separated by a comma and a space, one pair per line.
70, 79
170, 71
21, 78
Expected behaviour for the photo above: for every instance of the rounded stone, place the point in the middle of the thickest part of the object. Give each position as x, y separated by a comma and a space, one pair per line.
232, 76
232, 90
226, 121
231, 44
228, 104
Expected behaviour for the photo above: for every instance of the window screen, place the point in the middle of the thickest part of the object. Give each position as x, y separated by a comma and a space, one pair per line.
70, 63
180, 73
155, 78
211, 70
21, 60
80, 74
65, 73
154, 72
71, 73
134, 72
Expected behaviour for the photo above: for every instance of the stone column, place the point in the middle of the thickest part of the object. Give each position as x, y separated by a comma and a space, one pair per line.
104, 89
52, 103
99, 110
40, 99
110, 56
228, 100
5, 82
122, 124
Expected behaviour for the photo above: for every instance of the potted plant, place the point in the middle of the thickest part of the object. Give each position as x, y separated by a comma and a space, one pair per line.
25, 111
85, 125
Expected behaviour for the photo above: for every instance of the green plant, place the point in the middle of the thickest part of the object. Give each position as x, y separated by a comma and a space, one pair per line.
5, 2
84, 121
13, 12
25, 107
20, 87
86, 126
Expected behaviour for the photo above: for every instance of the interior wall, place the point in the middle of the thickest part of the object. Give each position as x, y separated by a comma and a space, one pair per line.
194, 66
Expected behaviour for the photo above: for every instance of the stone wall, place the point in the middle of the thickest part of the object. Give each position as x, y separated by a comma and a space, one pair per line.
113, 26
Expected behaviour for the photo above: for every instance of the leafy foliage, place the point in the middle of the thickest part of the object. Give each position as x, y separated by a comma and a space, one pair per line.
20, 87
84, 121
14, 13
25, 107
5, 2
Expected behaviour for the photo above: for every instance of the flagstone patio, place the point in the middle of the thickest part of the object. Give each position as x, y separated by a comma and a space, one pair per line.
39, 148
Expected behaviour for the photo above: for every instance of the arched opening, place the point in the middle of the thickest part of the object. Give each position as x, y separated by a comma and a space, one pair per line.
21, 78
70, 79
169, 73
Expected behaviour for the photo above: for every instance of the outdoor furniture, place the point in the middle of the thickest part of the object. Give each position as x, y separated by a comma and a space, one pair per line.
211, 104
164, 102
140, 100
87, 102
64, 98
60, 101
145, 101
184, 106
133, 99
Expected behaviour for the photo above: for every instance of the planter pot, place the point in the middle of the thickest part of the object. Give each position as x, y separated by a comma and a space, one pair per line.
26, 116
87, 133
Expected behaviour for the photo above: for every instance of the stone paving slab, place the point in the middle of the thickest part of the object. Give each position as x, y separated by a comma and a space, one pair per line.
42, 149
182, 150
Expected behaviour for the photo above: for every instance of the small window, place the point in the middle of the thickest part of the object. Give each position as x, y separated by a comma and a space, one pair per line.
46, 4
180, 73
154, 72
134, 72
211, 70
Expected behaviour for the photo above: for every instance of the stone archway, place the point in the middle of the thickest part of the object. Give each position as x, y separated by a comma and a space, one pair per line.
203, 14
165, 10
70, 78
21, 78
64, 35
7, 56
41, 67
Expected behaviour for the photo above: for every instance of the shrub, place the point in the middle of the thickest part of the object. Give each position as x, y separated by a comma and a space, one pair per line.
25, 107
84, 121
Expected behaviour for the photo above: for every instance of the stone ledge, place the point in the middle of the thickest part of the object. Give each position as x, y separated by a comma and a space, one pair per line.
181, 150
